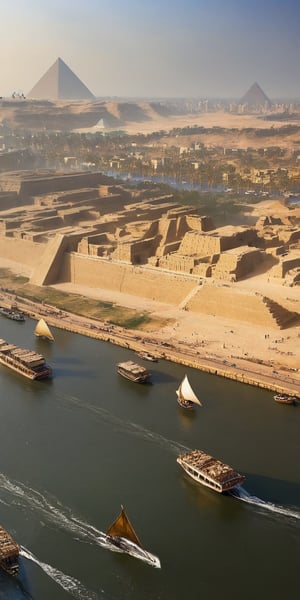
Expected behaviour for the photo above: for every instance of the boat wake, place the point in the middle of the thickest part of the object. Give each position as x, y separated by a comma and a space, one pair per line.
241, 494
27, 498
53, 512
126, 426
70, 584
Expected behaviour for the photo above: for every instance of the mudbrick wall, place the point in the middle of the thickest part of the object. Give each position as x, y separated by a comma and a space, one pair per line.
22, 251
138, 281
231, 303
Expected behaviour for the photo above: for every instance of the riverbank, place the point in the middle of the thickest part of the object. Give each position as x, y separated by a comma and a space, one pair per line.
169, 343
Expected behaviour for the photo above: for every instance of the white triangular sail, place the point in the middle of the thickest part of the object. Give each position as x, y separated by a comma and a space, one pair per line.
42, 330
186, 392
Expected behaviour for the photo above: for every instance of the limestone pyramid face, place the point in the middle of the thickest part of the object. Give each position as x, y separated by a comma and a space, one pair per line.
255, 97
60, 83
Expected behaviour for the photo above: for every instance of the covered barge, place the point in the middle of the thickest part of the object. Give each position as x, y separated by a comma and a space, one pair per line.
134, 372
28, 363
209, 471
9, 553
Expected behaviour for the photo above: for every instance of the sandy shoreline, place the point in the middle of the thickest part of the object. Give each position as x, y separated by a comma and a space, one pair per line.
232, 349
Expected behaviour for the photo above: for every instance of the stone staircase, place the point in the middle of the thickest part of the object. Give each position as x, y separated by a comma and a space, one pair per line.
282, 316
190, 295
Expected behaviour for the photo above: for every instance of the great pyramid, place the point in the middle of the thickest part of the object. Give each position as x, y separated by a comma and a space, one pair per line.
60, 83
255, 97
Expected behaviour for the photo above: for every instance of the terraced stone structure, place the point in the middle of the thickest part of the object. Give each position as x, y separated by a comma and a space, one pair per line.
88, 230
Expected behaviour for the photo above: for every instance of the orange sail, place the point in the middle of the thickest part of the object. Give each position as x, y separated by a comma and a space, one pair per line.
122, 527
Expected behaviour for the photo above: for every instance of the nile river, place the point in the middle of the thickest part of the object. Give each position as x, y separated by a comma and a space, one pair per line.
73, 449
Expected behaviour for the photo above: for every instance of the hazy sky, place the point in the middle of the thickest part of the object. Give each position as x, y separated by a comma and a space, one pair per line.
166, 48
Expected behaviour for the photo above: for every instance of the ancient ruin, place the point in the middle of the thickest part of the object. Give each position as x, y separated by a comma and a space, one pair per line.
85, 229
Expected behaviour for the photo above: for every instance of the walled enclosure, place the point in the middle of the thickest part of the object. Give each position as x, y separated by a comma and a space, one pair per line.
137, 281
81, 229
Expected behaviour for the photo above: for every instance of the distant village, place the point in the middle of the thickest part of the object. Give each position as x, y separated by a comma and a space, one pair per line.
73, 130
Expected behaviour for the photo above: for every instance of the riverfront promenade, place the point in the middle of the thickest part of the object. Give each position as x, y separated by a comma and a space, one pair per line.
241, 369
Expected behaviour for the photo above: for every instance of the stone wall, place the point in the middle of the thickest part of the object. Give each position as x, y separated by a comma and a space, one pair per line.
200, 244
21, 251
137, 281
56, 183
198, 223
32, 183
285, 265
49, 261
205, 244
177, 262
237, 263
230, 303
8, 200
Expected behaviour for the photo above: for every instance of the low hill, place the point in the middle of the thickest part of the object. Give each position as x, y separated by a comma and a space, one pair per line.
62, 116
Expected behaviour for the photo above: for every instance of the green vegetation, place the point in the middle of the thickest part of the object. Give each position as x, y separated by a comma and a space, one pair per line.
109, 312
135, 322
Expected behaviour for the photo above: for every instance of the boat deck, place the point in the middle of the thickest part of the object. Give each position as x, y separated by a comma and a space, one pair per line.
29, 357
25, 362
205, 466
9, 552
133, 371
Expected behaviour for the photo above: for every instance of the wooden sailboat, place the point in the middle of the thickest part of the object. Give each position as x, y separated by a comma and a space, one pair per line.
186, 396
121, 537
42, 330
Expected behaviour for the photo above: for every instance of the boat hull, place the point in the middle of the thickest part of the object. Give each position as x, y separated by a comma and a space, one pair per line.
133, 372
147, 356
12, 314
284, 399
125, 546
134, 379
12, 569
186, 404
25, 362
9, 553
25, 371
226, 480
44, 337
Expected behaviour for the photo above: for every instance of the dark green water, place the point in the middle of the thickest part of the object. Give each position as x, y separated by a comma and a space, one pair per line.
74, 448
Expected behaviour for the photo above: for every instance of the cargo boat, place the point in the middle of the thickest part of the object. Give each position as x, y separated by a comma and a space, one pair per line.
147, 356
209, 471
9, 553
10, 313
134, 372
25, 362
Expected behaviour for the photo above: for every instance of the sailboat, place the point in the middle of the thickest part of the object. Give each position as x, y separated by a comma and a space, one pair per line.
186, 396
121, 537
42, 330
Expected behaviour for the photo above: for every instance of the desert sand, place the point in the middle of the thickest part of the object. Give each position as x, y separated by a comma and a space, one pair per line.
236, 134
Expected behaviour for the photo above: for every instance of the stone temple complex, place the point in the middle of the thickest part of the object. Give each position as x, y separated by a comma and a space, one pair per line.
85, 229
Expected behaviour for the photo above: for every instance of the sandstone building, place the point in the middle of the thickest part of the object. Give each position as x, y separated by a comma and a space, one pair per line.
86, 229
